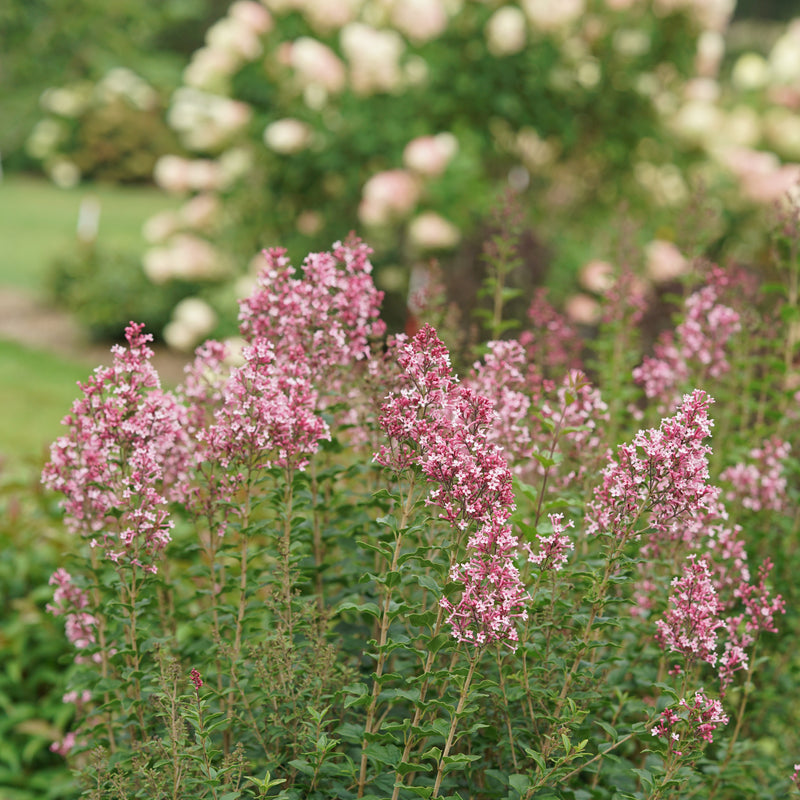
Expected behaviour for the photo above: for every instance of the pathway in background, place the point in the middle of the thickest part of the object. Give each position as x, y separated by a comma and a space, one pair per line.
26, 320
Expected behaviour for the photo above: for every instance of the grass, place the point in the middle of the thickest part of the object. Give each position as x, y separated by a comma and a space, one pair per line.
37, 219
36, 391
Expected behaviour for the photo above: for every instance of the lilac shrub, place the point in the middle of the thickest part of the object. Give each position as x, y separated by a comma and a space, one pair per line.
327, 566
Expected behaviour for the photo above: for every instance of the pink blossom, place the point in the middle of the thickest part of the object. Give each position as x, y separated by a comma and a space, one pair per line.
315, 63
388, 196
126, 454
553, 549
499, 377
431, 231
691, 623
420, 20
268, 415
331, 313
760, 484
663, 473
72, 602
429, 155
374, 57
197, 681
689, 726
66, 745
442, 427
665, 262
698, 344
553, 345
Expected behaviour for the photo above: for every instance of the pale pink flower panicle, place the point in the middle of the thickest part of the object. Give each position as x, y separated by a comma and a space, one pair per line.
331, 312
126, 454
663, 473
760, 483
691, 622
553, 548
500, 378
268, 414
66, 745
203, 386
442, 427
698, 344
690, 725
72, 602
554, 345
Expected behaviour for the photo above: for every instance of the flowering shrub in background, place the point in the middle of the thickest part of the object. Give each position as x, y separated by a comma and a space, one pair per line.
327, 566
112, 130
409, 117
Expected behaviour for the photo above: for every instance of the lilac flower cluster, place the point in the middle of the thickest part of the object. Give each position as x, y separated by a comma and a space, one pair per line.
330, 312
500, 378
699, 340
691, 623
72, 602
663, 472
553, 549
443, 428
267, 417
689, 726
761, 483
124, 457
555, 345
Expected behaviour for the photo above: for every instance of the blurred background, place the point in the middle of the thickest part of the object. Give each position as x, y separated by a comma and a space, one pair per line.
149, 151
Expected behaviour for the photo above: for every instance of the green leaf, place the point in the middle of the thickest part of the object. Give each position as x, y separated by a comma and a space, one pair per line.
519, 783
371, 609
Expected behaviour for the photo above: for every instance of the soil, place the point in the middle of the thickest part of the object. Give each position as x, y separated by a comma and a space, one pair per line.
27, 320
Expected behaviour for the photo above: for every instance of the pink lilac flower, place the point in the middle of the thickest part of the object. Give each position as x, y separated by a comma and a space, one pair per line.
500, 378
698, 344
72, 602
331, 312
197, 681
690, 725
202, 388
760, 608
126, 454
760, 484
553, 549
267, 419
663, 473
690, 625
577, 413
66, 745
705, 716
554, 346
442, 427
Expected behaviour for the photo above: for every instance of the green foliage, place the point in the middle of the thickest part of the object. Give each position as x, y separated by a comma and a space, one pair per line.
106, 289
33, 654
317, 625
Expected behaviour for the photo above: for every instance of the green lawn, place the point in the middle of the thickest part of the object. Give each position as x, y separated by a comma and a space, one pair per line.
36, 391
38, 219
